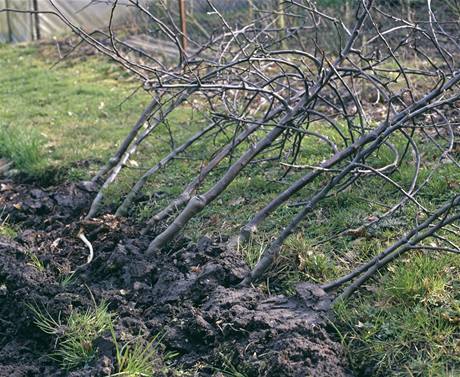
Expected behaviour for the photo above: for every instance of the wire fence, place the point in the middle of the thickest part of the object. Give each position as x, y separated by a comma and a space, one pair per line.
196, 22
203, 20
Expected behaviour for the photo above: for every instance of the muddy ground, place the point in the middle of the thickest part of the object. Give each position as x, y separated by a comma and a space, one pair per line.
186, 293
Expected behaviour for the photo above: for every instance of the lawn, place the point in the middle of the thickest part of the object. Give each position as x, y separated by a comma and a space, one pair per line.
405, 323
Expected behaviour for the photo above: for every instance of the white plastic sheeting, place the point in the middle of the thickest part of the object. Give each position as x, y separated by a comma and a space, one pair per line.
88, 14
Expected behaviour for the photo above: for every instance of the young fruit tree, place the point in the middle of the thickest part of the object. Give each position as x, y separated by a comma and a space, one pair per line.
371, 86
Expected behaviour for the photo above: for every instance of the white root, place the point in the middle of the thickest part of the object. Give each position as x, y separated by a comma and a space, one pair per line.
90, 247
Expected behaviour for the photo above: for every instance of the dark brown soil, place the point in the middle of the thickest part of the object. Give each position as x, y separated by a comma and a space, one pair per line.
186, 292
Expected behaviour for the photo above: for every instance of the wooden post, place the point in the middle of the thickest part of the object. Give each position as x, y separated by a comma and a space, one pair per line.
8, 22
31, 19
348, 12
37, 20
281, 23
183, 25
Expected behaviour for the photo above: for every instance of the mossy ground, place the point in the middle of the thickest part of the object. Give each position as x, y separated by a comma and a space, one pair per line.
405, 322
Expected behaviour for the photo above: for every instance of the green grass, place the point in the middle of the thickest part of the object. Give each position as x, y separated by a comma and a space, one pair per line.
7, 230
403, 323
24, 148
74, 342
139, 357
228, 368
409, 326
75, 335
51, 118
35, 262
67, 279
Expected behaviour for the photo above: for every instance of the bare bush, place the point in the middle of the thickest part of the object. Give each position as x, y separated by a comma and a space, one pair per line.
377, 78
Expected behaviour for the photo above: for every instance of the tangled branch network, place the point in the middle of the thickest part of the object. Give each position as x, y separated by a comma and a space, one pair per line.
368, 84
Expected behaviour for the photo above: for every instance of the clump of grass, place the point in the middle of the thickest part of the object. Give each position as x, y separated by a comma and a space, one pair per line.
74, 337
252, 250
45, 321
35, 262
311, 262
228, 368
23, 147
67, 279
6, 230
139, 357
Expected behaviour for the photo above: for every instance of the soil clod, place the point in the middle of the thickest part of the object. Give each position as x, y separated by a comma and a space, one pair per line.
188, 295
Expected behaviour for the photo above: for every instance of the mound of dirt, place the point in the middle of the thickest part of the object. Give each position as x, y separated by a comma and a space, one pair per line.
186, 293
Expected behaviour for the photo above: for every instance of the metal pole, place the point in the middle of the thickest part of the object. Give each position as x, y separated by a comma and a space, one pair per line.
31, 20
183, 25
37, 20
8, 22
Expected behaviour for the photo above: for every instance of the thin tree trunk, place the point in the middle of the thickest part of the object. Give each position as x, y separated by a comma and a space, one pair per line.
197, 203
127, 141
95, 205
124, 207
185, 196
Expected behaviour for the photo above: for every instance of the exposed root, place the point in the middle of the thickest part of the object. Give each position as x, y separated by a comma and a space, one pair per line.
90, 247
